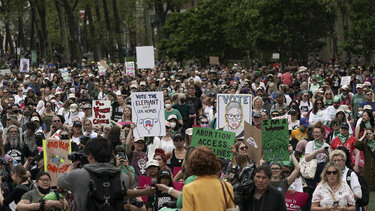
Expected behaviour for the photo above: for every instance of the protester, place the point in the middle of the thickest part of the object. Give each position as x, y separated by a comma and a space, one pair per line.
332, 193
198, 195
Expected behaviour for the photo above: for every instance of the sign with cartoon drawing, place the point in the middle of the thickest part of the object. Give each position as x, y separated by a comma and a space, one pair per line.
233, 111
148, 114
24, 65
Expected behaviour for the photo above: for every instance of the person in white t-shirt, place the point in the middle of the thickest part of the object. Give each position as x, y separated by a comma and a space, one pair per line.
305, 105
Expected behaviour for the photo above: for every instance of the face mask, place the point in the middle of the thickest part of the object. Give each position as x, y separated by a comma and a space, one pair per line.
44, 190
168, 106
360, 113
15, 111
173, 124
64, 137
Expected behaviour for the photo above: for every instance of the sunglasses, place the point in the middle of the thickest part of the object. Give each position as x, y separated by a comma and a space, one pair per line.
204, 123
244, 148
56, 121
179, 139
332, 172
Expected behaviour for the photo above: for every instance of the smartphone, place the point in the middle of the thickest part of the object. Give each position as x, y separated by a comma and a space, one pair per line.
326, 148
335, 204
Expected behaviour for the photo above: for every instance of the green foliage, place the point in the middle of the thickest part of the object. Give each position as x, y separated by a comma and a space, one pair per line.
362, 29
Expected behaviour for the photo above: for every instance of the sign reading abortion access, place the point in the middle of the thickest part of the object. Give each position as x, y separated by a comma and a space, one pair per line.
275, 138
233, 111
101, 111
148, 114
218, 140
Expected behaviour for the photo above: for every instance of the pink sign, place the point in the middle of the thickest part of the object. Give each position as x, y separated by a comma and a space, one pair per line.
143, 183
296, 201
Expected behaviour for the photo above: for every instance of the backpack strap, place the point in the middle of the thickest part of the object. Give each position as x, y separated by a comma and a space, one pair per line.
348, 177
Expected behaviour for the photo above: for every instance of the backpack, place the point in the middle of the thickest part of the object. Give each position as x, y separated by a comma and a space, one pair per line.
364, 188
106, 191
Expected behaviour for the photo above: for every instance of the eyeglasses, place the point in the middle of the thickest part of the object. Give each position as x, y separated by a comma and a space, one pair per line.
204, 123
233, 116
332, 172
45, 180
244, 148
306, 95
275, 169
5, 92
319, 103
275, 115
179, 139
56, 120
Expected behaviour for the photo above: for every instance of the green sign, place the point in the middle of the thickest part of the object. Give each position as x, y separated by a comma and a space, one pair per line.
275, 138
218, 141
34, 57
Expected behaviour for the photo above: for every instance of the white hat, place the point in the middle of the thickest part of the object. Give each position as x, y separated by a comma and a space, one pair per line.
359, 86
172, 116
134, 86
367, 107
71, 95
35, 118
143, 83
73, 107
345, 87
189, 131
152, 163
367, 83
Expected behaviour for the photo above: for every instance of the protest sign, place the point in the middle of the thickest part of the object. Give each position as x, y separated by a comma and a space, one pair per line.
145, 57
275, 56
64, 73
214, 60
296, 201
148, 114
5, 71
101, 111
233, 110
56, 160
25, 65
253, 139
218, 140
345, 80
102, 67
275, 139
34, 57
286, 116
130, 70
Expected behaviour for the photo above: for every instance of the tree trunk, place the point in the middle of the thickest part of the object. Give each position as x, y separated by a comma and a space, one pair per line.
43, 29
32, 30
93, 38
109, 29
84, 34
63, 32
147, 23
73, 31
161, 15
101, 50
118, 32
21, 35
8, 42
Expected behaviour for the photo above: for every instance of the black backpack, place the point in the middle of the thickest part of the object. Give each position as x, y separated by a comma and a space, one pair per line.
106, 191
364, 188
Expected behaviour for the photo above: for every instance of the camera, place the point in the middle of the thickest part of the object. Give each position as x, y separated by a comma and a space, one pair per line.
135, 202
78, 157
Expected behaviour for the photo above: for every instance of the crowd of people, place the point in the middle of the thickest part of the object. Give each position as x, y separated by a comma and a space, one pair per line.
331, 141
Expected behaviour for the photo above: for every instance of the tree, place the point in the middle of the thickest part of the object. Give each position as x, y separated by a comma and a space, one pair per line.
361, 39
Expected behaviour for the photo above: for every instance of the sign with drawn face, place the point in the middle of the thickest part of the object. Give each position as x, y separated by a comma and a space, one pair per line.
233, 111
148, 114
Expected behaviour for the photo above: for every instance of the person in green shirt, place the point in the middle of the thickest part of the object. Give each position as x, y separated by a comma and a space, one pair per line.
357, 99
171, 111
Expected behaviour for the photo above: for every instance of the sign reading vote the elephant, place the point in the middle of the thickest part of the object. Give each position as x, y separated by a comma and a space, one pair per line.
148, 114
233, 111
275, 138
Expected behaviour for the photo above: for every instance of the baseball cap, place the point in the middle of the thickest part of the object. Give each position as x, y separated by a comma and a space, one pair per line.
345, 87
71, 95
139, 139
152, 163
134, 86
367, 83
344, 125
73, 107
257, 115
77, 124
87, 105
35, 118
143, 83
367, 107
178, 136
304, 122
165, 173
172, 116
359, 86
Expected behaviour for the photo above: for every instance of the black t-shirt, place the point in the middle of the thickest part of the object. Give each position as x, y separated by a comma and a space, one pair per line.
160, 200
272, 200
18, 154
195, 104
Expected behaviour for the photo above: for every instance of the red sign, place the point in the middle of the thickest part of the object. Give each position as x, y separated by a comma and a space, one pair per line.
296, 201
